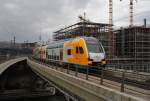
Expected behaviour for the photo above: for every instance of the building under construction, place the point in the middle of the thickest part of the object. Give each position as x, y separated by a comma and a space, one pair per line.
85, 28
129, 45
133, 44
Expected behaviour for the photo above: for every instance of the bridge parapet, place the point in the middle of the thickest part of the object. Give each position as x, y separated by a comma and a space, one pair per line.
80, 87
5, 65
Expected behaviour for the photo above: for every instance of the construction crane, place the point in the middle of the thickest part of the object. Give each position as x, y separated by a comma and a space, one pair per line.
110, 14
131, 12
110, 36
83, 18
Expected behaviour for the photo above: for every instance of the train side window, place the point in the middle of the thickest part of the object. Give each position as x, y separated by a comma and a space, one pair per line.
77, 50
57, 57
69, 51
81, 50
53, 57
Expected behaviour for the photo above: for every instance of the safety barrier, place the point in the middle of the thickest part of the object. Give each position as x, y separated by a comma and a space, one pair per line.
126, 81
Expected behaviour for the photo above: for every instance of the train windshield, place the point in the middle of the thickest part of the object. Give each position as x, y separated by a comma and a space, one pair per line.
94, 46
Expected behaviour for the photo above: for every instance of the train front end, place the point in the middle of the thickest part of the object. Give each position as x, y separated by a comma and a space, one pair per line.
96, 53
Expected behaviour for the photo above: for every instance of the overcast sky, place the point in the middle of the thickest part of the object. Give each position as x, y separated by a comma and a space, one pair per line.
28, 19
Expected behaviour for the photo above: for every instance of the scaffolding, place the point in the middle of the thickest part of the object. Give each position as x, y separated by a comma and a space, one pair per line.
133, 45
81, 29
85, 28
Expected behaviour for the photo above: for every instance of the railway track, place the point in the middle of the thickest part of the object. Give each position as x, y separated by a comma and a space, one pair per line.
107, 75
142, 85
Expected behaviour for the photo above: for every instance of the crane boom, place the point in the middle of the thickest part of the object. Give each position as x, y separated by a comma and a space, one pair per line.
131, 13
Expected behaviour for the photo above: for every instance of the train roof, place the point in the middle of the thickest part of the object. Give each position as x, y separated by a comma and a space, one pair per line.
60, 43
89, 38
84, 37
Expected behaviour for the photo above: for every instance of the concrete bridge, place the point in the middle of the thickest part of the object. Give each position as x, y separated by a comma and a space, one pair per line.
7, 64
77, 87
18, 81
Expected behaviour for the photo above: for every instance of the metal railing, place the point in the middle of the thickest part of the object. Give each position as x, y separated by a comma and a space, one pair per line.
4, 58
118, 78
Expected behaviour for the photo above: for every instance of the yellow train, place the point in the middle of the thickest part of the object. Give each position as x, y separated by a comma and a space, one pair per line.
80, 50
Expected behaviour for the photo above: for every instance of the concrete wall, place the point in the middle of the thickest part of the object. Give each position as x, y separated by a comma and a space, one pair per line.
80, 87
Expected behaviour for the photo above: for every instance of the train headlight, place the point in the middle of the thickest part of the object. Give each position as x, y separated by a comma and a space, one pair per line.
90, 61
103, 62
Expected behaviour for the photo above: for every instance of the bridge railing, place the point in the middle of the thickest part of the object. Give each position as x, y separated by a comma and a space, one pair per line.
122, 79
4, 58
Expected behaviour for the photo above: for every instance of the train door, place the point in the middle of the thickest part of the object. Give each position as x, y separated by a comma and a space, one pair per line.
82, 53
77, 55
61, 54
80, 58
